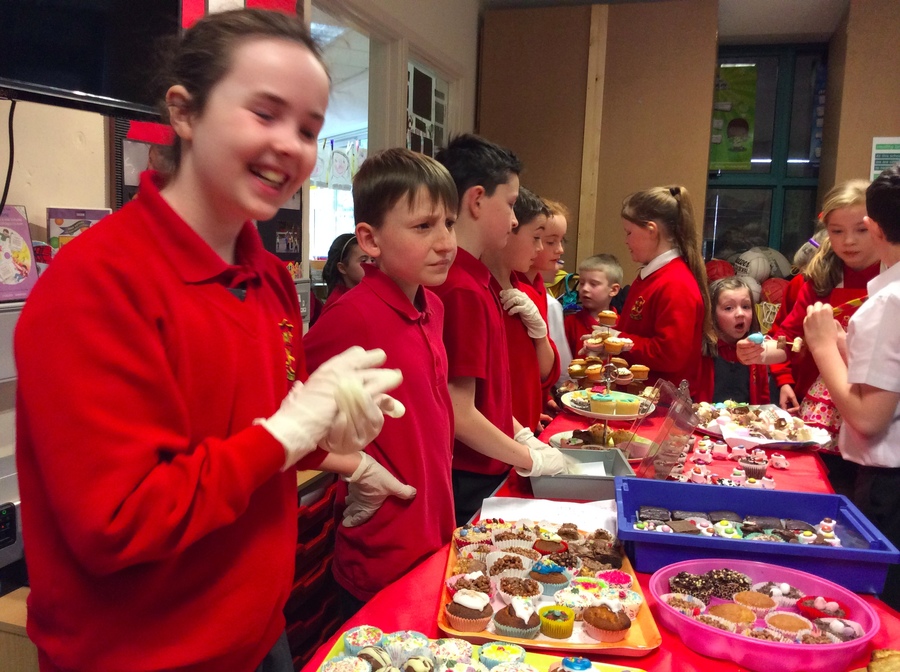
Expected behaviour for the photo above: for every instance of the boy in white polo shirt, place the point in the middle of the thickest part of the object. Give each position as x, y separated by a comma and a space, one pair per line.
866, 390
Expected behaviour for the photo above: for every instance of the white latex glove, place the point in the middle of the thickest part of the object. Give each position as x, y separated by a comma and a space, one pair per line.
516, 302
360, 417
310, 412
600, 329
545, 460
369, 486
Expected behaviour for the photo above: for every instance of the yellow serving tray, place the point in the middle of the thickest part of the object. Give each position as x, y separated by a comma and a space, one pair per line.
643, 637
541, 661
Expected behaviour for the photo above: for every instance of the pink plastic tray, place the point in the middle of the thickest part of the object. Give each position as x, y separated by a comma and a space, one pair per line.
756, 654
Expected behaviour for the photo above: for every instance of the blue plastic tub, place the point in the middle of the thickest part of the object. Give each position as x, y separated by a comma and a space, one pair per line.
860, 564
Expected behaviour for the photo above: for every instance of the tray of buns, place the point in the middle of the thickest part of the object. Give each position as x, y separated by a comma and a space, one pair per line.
581, 600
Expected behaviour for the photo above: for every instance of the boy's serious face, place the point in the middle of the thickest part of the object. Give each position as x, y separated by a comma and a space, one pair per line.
525, 244
413, 246
595, 291
496, 213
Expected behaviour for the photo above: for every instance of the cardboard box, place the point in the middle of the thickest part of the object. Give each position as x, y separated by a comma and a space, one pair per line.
860, 565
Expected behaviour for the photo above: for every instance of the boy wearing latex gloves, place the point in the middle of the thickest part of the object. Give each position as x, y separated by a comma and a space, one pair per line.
866, 388
404, 206
487, 180
527, 341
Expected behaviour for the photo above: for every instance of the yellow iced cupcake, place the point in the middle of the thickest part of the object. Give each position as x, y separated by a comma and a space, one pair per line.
628, 404
603, 403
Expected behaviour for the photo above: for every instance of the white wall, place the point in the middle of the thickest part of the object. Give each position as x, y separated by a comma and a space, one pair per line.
60, 160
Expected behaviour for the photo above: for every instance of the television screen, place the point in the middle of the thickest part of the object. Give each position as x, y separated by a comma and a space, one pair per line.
99, 55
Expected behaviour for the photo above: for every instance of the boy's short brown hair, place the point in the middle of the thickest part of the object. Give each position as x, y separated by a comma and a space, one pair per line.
387, 176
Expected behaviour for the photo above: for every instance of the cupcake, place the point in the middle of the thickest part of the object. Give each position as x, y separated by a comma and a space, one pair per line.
529, 553
477, 551
716, 622
494, 653
730, 611
759, 603
567, 559
515, 586
418, 664
519, 619
549, 542
614, 345
607, 622
507, 564
754, 467
815, 637
358, 638
640, 372
624, 376
507, 539
696, 585
460, 666
471, 534
557, 622
577, 599
346, 664
515, 667
763, 634
616, 578
470, 611
551, 576
478, 581
784, 594
631, 600
376, 657
786, 623
821, 607
683, 604
607, 318
577, 369
447, 649
603, 404
594, 373
726, 582
841, 628
590, 583
404, 644
628, 404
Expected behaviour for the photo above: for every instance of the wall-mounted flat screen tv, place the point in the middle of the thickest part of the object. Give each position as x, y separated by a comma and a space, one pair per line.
98, 55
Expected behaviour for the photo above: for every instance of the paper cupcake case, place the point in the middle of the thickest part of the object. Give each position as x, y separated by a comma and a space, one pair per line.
540, 661
757, 654
643, 637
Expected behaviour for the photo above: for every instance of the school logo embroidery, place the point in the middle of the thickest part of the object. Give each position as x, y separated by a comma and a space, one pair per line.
287, 334
637, 310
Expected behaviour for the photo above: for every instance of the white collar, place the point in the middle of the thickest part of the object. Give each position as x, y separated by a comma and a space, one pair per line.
880, 281
659, 261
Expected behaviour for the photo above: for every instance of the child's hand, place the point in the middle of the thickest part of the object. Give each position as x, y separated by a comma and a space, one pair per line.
819, 327
749, 352
787, 399
516, 302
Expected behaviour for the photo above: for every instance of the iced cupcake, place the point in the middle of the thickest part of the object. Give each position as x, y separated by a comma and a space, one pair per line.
447, 649
551, 576
616, 578
607, 622
469, 611
404, 644
346, 664
557, 622
519, 619
358, 638
577, 599
494, 653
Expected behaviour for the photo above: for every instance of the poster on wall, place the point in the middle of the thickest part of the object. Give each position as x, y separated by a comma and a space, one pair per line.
733, 117
18, 271
885, 153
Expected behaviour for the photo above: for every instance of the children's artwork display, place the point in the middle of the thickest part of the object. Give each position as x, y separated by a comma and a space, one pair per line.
63, 224
733, 118
18, 271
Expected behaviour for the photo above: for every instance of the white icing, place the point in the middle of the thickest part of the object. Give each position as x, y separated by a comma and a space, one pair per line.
614, 605
474, 575
523, 608
471, 599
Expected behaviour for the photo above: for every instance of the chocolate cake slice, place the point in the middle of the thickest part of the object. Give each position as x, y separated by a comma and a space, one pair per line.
654, 513
765, 522
684, 515
797, 525
730, 516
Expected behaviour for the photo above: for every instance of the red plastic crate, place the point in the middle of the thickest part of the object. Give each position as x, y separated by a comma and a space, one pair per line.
310, 517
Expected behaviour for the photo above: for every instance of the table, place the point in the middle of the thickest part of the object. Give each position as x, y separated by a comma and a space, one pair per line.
394, 609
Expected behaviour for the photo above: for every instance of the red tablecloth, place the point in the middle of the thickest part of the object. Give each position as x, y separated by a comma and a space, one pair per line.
412, 603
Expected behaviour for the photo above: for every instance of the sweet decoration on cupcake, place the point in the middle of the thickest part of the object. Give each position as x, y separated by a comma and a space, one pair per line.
557, 622
607, 622
418, 664
469, 611
447, 649
519, 619
358, 638
376, 656
494, 653
820, 606
346, 664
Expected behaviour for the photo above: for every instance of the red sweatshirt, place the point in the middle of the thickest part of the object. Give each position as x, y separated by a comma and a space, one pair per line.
800, 370
577, 325
663, 315
160, 528
416, 448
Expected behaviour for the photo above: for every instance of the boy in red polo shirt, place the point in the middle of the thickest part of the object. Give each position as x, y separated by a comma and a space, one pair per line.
599, 280
488, 439
404, 206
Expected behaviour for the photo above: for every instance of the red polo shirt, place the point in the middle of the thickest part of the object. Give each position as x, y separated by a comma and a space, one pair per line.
157, 515
578, 324
416, 448
475, 339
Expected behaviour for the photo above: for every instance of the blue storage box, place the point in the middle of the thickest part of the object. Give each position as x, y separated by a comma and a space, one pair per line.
860, 564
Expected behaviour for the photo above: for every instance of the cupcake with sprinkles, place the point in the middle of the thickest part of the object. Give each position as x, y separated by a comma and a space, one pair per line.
616, 578
346, 663
557, 622
494, 653
519, 619
551, 576
450, 648
356, 639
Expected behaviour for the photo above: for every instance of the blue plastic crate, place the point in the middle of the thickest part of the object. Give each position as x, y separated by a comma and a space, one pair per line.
860, 565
